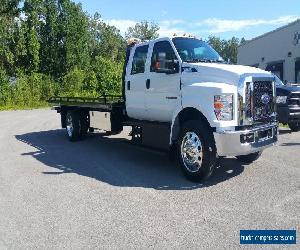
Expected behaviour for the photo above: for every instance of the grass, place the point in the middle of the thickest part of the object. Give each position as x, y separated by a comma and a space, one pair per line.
24, 107
283, 125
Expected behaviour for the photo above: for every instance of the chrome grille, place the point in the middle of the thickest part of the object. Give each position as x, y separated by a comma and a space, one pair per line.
263, 103
294, 99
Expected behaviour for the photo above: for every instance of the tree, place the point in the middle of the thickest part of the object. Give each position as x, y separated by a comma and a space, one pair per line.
20, 48
52, 49
32, 11
46, 48
9, 7
106, 40
143, 30
77, 37
227, 49
65, 38
216, 43
4, 86
109, 75
243, 40
8, 12
230, 50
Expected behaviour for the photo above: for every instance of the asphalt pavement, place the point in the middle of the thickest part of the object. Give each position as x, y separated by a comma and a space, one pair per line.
104, 192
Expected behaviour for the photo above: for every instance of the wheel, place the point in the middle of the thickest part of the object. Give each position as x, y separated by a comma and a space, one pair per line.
73, 125
196, 150
249, 158
295, 127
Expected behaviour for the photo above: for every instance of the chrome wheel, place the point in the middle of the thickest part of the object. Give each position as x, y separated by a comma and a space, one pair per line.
70, 128
191, 152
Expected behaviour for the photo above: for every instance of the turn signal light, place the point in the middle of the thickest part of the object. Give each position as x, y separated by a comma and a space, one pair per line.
223, 106
218, 105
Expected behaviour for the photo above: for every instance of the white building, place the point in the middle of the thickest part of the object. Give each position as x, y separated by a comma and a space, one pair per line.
277, 51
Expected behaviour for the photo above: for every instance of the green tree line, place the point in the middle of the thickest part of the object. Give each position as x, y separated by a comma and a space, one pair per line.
52, 47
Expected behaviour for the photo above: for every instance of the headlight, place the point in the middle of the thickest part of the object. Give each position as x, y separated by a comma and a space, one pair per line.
281, 99
223, 105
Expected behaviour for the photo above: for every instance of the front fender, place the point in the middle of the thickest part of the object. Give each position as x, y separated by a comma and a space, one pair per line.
175, 126
200, 96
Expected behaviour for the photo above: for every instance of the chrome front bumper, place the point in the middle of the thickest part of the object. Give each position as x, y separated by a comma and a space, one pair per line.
244, 142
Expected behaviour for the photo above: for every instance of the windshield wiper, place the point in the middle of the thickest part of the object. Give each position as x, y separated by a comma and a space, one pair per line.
218, 61
205, 60
198, 60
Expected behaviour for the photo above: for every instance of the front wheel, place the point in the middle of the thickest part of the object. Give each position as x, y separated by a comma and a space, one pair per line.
196, 150
249, 158
295, 127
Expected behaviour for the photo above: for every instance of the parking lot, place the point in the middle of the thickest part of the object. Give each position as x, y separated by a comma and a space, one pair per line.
106, 193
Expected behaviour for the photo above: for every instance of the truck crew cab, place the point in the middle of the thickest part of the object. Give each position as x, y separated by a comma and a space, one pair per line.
179, 94
288, 104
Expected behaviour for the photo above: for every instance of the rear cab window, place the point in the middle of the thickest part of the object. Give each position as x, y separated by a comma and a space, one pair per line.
139, 60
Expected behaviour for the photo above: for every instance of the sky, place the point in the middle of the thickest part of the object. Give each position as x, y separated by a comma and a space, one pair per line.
225, 19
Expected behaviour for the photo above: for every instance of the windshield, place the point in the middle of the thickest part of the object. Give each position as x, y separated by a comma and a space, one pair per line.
194, 50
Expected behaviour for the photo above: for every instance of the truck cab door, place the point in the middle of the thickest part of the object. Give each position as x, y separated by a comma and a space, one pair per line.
163, 89
135, 81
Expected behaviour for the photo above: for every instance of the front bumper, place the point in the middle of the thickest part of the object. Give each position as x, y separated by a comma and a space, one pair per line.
288, 114
244, 142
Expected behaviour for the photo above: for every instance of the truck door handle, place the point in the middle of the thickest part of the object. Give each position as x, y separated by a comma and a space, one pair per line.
148, 84
128, 85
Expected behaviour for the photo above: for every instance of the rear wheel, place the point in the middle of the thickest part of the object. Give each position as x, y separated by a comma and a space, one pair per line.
73, 125
249, 158
196, 150
295, 127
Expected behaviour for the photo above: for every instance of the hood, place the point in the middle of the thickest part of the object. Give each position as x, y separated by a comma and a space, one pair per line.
222, 73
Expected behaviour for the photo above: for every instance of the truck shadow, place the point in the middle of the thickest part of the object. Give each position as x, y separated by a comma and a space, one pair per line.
286, 144
116, 161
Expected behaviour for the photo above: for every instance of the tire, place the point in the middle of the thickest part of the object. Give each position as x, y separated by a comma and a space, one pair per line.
295, 127
196, 150
73, 126
249, 158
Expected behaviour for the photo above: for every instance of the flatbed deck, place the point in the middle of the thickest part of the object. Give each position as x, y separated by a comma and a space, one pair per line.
103, 103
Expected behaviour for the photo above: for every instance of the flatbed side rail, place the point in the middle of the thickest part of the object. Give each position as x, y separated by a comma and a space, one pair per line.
102, 102
107, 99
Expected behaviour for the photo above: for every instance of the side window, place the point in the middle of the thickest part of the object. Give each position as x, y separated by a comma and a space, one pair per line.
163, 56
139, 60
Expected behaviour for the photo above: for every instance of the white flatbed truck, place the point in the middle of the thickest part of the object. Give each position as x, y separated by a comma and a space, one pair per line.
179, 95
